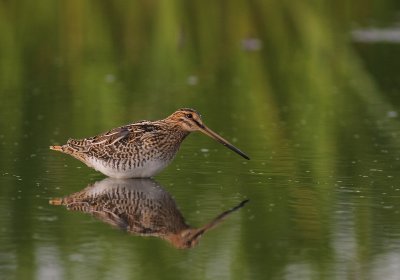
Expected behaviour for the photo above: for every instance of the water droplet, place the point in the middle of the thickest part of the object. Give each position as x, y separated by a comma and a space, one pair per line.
251, 44
110, 78
192, 80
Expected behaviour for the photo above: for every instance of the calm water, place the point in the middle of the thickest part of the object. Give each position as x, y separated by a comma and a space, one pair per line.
310, 93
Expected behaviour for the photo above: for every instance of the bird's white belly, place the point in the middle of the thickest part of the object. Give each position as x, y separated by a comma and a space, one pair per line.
149, 169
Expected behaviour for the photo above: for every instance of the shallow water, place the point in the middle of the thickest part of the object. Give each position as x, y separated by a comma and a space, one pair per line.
298, 88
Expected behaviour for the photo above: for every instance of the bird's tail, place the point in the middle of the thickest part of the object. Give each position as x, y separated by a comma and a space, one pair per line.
66, 149
56, 201
70, 151
57, 148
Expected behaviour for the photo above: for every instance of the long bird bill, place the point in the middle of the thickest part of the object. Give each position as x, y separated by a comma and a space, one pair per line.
221, 140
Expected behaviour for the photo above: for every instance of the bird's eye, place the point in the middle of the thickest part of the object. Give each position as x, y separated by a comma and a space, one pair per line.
189, 116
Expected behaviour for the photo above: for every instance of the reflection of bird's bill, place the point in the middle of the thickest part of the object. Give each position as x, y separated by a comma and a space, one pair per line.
200, 231
221, 140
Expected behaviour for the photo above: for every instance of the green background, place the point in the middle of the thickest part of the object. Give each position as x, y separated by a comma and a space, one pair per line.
288, 82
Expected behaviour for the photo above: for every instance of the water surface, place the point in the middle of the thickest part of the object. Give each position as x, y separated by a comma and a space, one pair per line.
301, 88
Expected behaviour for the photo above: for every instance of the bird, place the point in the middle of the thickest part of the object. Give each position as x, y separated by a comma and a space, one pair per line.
141, 149
140, 207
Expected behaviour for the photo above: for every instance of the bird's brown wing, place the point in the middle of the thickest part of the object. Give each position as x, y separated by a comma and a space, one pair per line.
112, 136
113, 142
101, 140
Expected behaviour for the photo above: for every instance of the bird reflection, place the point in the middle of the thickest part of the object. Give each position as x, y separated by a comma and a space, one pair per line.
139, 206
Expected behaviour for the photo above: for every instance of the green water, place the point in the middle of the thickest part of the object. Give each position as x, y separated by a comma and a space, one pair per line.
316, 110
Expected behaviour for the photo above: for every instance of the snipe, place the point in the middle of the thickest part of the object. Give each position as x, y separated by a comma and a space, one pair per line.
141, 149
141, 207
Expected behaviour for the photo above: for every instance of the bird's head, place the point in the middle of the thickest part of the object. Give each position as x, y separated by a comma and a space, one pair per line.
190, 120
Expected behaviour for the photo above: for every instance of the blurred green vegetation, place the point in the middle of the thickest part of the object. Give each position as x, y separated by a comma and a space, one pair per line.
281, 78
